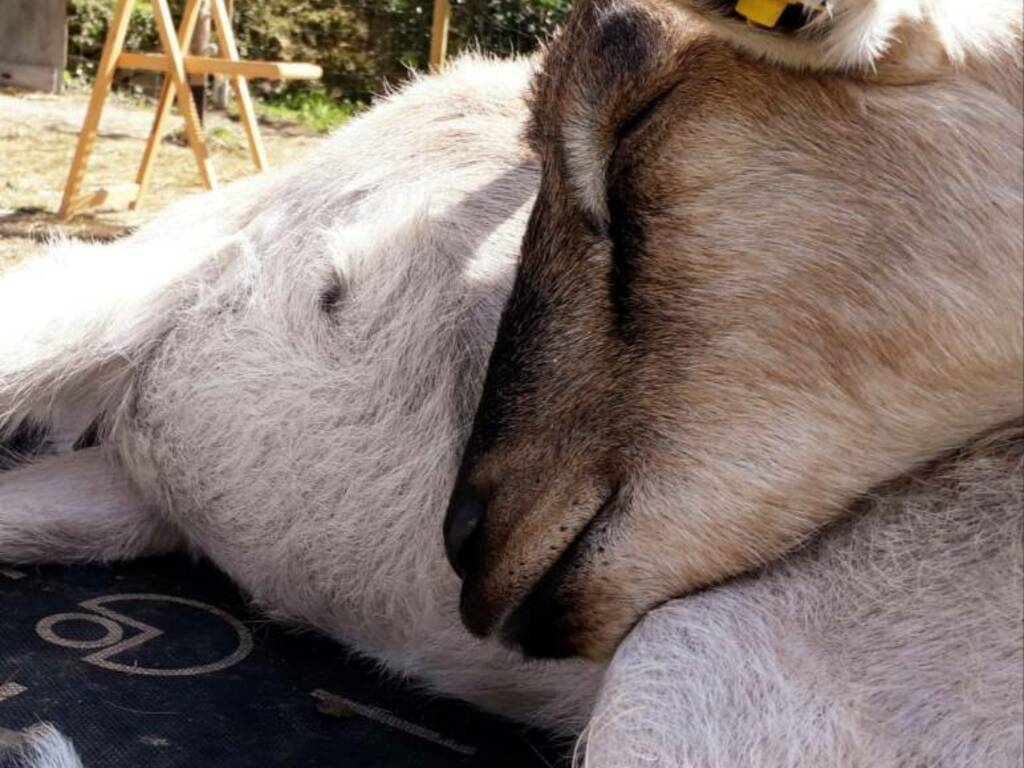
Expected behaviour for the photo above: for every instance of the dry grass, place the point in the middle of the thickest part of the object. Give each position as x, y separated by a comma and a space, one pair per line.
37, 140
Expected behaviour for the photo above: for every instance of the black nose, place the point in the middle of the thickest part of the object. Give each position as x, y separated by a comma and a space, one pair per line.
465, 515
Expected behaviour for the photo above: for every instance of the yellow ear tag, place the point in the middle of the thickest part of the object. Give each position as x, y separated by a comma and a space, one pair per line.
764, 13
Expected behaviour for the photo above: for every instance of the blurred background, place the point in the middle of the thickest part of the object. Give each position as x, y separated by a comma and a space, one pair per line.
362, 45
365, 48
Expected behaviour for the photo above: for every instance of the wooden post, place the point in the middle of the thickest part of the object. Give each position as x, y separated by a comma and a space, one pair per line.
100, 90
177, 76
228, 50
439, 34
189, 19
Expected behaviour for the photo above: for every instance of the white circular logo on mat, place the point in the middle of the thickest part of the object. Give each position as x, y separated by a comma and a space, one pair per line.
113, 643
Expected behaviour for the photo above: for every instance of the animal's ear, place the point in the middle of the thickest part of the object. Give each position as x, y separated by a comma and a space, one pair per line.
599, 77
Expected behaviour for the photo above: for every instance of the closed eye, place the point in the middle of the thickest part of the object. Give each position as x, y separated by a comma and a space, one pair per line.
625, 228
642, 115
626, 233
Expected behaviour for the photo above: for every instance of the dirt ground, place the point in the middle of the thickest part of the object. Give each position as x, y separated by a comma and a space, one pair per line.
37, 140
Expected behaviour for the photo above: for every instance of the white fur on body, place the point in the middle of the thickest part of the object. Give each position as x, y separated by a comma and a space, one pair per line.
41, 746
894, 641
306, 452
310, 453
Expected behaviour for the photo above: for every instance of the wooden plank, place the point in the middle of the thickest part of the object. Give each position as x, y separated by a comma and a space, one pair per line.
33, 76
109, 198
439, 34
100, 89
211, 65
194, 131
189, 18
229, 51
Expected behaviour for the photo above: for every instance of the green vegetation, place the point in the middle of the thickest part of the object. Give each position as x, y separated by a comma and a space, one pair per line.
362, 45
87, 29
313, 109
223, 136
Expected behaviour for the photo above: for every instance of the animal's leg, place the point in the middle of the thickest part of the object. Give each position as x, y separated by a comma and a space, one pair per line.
76, 507
894, 640
728, 692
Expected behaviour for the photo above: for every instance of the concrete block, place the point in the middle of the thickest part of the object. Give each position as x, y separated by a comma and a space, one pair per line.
33, 43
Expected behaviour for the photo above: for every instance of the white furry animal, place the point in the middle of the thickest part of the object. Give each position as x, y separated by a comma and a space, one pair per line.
281, 375
894, 39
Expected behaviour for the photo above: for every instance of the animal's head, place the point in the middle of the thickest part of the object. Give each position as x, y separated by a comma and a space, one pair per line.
745, 296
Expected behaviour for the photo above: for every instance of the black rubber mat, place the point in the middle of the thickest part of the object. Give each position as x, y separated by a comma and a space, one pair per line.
159, 663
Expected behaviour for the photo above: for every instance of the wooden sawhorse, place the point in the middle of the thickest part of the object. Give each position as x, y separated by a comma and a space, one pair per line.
176, 66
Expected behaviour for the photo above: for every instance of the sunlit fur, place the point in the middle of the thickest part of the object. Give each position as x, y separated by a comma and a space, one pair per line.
284, 371
894, 641
889, 38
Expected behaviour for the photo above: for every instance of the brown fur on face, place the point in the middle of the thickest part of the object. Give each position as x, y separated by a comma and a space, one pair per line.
746, 297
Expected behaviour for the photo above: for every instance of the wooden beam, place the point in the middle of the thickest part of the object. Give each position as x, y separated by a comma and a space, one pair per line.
186, 28
114, 197
439, 34
209, 65
100, 89
229, 51
179, 78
